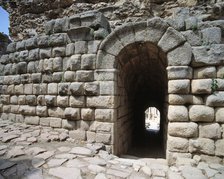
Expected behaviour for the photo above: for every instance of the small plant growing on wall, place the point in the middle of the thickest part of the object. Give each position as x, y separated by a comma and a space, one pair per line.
214, 85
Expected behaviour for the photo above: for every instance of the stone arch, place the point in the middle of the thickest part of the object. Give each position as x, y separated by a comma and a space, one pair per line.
135, 49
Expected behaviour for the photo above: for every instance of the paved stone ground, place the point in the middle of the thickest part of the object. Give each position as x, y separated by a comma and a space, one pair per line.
35, 152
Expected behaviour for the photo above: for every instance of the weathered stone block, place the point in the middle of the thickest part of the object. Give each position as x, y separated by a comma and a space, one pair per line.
13, 100
177, 144
21, 68
105, 115
36, 77
180, 56
76, 88
93, 46
28, 88
219, 146
179, 72
57, 64
211, 35
208, 55
73, 63
41, 100
77, 101
202, 145
21, 100
88, 61
31, 100
191, 23
183, 129
75, 21
55, 122
63, 89
56, 112
20, 45
91, 88
58, 39
50, 100
57, 77
72, 113
177, 113
101, 127
220, 72
42, 41
45, 121
193, 38
103, 138
78, 135
108, 88
61, 25
62, 101
212, 131
33, 55
52, 88
70, 49
201, 113
219, 115
69, 76
41, 111
170, 39
23, 55
105, 61
81, 34
216, 99
45, 53
101, 102
32, 120
11, 47
179, 86
80, 47
58, 52
202, 86
91, 137
87, 114
27, 110
84, 76
31, 43
105, 75
68, 124
205, 72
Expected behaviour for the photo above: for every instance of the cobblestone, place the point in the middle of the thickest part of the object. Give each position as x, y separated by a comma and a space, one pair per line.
67, 159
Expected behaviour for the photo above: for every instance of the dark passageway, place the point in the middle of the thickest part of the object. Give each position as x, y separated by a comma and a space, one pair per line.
143, 83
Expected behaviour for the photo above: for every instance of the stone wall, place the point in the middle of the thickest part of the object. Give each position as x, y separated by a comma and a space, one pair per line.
27, 18
83, 77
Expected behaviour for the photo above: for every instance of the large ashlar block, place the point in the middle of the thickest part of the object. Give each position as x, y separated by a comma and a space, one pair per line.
41, 110
57, 64
106, 75
69, 76
179, 72
111, 45
77, 88
73, 63
55, 122
177, 113
56, 112
102, 102
208, 55
52, 88
85, 75
27, 110
77, 101
107, 88
34, 120
171, 39
67, 124
78, 135
220, 72
105, 60
180, 56
201, 113
210, 159
202, 86
62, 101
219, 147
202, 145
219, 115
91, 88
88, 61
183, 129
179, 86
72, 113
211, 35
102, 127
177, 144
105, 115
103, 138
87, 114
216, 99
211, 131
205, 72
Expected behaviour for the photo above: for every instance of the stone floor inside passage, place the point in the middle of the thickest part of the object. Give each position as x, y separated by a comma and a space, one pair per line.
37, 152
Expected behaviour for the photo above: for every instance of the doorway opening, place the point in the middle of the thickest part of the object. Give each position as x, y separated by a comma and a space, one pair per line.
152, 120
142, 83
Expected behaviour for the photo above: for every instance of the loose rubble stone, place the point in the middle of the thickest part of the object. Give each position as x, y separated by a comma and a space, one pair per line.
81, 151
60, 172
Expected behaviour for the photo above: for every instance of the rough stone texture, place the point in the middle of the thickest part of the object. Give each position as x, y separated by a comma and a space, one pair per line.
212, 131
201, 113
203, 145
183, 129
177, 113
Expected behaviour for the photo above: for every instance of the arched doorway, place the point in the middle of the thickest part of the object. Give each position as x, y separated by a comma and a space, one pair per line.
142, 83
134, 58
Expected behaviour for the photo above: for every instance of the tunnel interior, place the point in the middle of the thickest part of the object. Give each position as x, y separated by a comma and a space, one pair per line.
142, 83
